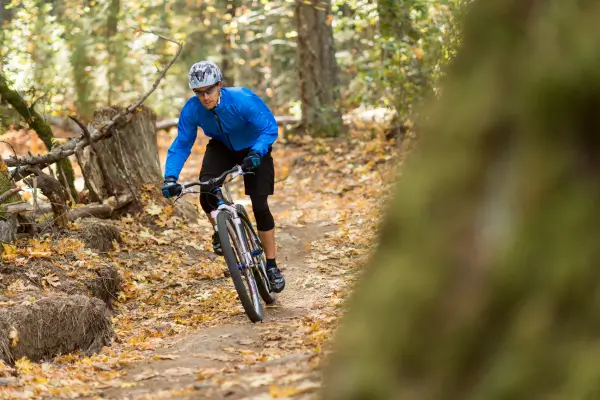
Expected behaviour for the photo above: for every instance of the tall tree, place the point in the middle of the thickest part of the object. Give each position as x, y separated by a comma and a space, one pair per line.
114, 48
484, 285
317, 68
80, 61
3, 23
227, 56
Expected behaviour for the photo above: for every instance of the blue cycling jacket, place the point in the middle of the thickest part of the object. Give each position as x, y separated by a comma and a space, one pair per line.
244, 117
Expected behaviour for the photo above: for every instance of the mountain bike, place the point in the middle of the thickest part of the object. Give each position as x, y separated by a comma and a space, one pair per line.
242, 248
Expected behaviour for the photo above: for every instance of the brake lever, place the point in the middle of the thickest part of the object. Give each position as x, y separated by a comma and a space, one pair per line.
180, 195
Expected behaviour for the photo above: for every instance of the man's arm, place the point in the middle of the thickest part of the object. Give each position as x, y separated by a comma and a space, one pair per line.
181, 147
258, 114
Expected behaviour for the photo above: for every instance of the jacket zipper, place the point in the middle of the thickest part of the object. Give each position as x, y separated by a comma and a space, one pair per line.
221, 128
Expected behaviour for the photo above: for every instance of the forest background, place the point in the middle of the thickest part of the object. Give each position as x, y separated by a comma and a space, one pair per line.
71, 57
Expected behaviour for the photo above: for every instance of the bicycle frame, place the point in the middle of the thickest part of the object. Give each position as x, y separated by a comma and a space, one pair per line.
225, 204
237, 225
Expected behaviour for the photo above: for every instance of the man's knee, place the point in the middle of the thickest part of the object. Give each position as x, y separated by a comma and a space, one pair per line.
262, 214
208, 202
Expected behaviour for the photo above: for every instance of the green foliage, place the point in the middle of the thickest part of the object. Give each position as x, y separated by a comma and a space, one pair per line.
83, 54
397, 58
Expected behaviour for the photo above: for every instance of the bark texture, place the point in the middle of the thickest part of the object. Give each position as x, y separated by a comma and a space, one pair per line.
120, 165
8, 221
317, 68
485, 283
227, 54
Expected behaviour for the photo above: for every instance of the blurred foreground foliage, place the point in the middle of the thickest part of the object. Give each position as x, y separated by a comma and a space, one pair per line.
485, 282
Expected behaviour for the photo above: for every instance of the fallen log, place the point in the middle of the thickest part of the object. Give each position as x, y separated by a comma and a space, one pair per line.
18, 208
97, 210
100, 210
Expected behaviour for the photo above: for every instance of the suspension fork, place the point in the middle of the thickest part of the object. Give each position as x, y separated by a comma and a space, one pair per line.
237, 223
237, 226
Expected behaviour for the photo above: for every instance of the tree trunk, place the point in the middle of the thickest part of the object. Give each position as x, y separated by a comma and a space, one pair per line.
317, 69
125, 161
8, 221
56, 195
114, 47
227, 58
485, 283
3, 23
80, 60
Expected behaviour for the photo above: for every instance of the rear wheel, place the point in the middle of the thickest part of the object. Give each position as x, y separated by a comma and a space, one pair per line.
260, 272
241, 274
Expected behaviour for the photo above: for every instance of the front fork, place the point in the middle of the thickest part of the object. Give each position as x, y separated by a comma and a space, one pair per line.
237, 224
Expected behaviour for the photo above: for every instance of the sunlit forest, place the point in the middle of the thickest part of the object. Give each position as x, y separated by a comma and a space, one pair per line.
431, 176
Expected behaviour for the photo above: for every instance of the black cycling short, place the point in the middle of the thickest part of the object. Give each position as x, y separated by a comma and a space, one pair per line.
218, 159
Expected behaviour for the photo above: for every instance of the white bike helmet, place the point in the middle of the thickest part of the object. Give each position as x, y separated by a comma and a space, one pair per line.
204, 73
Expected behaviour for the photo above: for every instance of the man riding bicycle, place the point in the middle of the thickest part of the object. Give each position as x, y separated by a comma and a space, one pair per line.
242, 130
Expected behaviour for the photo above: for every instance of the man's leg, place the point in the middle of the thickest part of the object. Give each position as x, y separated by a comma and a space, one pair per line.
266, 231
267, 238
217, 159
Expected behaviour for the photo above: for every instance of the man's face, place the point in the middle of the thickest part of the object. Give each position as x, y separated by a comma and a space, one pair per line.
209, 95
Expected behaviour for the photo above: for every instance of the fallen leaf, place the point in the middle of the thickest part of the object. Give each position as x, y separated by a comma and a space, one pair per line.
165, 357
216, 357
154, 209
51, 280
145, 375
13, 336
101, 366
31, 275
178, 371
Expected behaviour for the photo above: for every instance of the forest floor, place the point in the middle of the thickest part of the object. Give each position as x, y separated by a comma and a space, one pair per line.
180, 330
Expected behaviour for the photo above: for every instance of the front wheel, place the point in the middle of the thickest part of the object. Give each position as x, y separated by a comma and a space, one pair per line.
241, 275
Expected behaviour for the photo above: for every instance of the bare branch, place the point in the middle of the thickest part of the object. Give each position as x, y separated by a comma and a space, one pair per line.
142, 98
59, 152
8, 194
84, 128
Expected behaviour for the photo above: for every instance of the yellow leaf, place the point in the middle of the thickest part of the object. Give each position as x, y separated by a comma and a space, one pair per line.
276, 391
154, 209
10, 252
24, 366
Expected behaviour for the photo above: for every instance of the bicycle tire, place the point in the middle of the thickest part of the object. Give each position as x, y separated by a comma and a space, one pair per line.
248, 295
260, 273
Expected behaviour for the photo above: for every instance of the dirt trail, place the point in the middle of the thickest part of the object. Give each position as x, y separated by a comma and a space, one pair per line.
180, 331
233, 360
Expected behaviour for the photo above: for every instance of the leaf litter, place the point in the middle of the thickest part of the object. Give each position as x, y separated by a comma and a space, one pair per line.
172, 286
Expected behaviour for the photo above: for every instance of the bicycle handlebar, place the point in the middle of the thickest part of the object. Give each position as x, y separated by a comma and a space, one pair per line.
236, 170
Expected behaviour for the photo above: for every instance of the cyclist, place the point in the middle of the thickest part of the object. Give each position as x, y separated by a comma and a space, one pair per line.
242, 130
